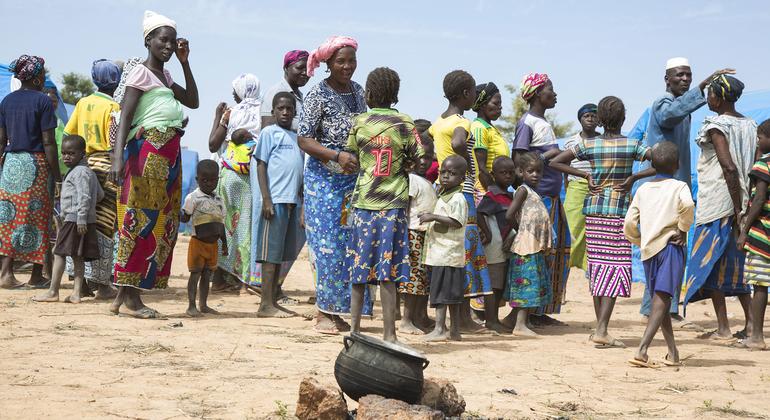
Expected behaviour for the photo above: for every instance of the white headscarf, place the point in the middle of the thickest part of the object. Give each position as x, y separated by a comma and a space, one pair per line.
246, 114
154, 21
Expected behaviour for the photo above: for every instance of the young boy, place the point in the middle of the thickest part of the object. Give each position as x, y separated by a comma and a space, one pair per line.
755, 240
445, 249
207, 212
76, 237
279, 172
494, 227
663, 209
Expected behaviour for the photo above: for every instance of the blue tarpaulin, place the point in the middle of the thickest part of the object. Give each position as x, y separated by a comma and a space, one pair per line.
8, 84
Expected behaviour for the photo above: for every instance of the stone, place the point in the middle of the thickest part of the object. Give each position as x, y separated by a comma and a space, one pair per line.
320, 402
376, 407
440, 394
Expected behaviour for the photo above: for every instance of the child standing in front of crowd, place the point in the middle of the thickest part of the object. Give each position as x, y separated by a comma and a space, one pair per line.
280, 163
445, 249
755, 240
495, 228
386, 144
76, 237
663, 210
207, 212
529, 284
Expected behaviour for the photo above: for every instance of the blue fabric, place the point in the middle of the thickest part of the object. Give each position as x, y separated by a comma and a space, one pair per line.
529, 281
189, 165
379, 247
477, 281
105, 74
278, 148
25, 114
278, 238
664, 271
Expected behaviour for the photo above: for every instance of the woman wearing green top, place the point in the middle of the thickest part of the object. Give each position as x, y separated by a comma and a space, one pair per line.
489, 144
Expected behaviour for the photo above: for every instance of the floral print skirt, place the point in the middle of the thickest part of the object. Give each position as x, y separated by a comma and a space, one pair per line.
529, 281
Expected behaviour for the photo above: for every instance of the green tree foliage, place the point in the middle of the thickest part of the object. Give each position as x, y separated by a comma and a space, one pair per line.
75, 87
507, 122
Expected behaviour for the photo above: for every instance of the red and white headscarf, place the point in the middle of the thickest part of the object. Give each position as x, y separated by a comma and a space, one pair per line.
326, 50
531, 83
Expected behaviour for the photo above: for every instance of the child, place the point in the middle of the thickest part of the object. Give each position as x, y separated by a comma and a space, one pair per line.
237, 155
755, 240
76, 237
207, 212
422, 199
445, 249
280, 164
663, 209
494, 227
386, 145
529, 283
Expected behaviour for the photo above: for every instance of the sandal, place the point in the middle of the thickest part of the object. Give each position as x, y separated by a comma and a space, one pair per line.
39, 286
712, 335
643, 364
612, 344
670, 363
144, 313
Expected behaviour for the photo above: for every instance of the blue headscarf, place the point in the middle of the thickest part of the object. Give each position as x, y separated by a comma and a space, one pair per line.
586, 109
105, 74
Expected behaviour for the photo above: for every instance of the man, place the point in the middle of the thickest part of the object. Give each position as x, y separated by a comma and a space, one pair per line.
294, 77
670, 120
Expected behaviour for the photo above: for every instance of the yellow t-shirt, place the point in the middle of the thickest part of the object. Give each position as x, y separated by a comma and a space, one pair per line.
442, 129
488, 137
91, 120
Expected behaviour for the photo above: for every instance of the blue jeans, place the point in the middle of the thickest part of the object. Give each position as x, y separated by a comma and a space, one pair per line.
647, 302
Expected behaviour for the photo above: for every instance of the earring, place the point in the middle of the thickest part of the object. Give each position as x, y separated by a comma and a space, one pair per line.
328, 70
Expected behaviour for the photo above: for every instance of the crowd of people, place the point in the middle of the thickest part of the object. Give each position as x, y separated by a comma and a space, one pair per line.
446, 214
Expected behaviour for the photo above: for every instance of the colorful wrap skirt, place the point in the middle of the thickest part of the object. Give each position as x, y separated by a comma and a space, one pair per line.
529, 282
26, 207
419, 280
609, 257
558, 257
235, 191
148, 209
477, 282
576, 220
379, 246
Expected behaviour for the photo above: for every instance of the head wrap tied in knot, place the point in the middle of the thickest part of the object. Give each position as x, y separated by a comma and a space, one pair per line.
246, 86
326, 50
728, 88
484, 93
153, 21
246, 114
585, 109
27, 67
105, 74
293, 56
531, 83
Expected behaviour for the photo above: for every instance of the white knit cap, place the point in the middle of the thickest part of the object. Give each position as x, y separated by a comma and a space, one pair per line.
154, 21
677, 62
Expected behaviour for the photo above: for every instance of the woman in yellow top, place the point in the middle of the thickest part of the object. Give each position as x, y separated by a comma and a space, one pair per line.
489, 144
92, 119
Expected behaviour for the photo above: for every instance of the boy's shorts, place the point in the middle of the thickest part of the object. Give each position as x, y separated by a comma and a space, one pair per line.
447, 286
665, 270
202, 255
278, 239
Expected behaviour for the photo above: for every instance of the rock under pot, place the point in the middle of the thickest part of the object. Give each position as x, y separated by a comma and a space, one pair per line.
369, 365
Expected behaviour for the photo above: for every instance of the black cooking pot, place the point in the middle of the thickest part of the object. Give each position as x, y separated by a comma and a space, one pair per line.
369, 365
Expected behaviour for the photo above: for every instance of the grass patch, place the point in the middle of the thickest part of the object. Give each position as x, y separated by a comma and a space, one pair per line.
709, 407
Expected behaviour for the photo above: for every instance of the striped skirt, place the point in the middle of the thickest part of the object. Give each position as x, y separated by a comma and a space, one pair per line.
609, 257
756, 272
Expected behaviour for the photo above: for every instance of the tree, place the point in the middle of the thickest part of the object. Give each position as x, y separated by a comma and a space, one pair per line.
508, 122
76, 86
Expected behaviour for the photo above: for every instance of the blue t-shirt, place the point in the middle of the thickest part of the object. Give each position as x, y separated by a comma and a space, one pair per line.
278, 148
25, 114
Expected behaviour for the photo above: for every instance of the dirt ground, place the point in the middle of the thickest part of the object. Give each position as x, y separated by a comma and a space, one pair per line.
68, 361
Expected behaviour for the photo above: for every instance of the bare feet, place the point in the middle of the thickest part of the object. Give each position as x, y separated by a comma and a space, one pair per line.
606, 341
716, 336
436, 336
105, 292
143, 313
407, 327
340, 324
193, 312
274, 312
10, 282
48, 296
72, 299
325, 325
472, 328
523, 331
497, 327
455, 337
206, 310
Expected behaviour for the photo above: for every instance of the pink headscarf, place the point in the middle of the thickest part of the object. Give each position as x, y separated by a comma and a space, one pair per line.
531, 83
326, 50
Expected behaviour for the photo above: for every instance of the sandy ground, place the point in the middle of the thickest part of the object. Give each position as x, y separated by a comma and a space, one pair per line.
67, 361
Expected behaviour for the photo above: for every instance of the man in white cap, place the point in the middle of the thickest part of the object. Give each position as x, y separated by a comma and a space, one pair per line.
670, 120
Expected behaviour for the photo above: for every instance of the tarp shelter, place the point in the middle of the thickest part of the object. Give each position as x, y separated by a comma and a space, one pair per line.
189, 164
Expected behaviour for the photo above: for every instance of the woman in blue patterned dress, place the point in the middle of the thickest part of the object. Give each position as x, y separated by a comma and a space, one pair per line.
330, 175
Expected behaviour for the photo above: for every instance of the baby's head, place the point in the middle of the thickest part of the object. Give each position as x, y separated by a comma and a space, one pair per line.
504, 172
763, 137
665, 158
207, 175
241, 136
460, 89
382, 87
529, 167
452, 172
73, 149
284, 109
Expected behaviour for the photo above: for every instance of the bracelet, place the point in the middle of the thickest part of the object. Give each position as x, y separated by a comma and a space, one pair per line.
337, 158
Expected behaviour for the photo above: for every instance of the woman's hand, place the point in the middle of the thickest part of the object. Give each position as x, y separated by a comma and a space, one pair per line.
348, 162
741, 242
626, 185
592, 187
182, 50
267, 209
219, 111
116, 171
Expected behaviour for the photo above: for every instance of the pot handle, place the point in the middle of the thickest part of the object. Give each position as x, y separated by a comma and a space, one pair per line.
425, 364
346, 340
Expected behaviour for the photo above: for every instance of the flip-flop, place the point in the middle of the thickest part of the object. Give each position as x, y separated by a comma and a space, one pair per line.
712, 335
670, 363
329, 331
740, 335
614, 344
643, 364
44, 285
688, 326
144, 313
741, 344
288, 301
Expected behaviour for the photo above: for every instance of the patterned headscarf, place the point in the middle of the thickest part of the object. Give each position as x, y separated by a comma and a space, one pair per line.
127, 67
293, 56
326, 50
531, 83
726, 87
27, 67
246, 86
484, 93
105, 74
585, 109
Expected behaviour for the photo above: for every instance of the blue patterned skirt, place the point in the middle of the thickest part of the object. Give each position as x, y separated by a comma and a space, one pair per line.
379, 246
477, 280
529, 281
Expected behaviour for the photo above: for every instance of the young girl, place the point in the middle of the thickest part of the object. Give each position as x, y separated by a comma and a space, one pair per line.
76, 237
385, 143
755, 240
451, 136
529, 284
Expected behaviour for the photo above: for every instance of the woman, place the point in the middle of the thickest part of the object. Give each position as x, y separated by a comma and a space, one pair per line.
728, 143
534, 133
147, 163
294, 77
611, 157
330, 176
28, 164
577, 189
92, 119
234, 187
490, 144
